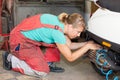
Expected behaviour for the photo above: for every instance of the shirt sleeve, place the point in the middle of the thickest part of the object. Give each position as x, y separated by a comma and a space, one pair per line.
58, 37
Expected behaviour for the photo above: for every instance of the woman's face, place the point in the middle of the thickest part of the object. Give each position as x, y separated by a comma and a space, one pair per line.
75, 32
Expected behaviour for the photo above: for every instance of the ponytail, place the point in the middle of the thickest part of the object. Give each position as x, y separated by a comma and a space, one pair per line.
63, 17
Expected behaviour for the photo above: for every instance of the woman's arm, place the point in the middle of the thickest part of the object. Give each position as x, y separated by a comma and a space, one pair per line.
72, 56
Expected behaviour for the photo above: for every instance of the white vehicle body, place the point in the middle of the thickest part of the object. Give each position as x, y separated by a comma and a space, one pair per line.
105, 24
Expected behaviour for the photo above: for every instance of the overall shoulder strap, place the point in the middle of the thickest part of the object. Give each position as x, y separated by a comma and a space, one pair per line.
52, 26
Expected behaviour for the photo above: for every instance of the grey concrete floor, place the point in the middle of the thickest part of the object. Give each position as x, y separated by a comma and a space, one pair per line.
78, 70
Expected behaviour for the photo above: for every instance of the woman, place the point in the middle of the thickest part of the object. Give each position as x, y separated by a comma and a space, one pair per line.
48, 30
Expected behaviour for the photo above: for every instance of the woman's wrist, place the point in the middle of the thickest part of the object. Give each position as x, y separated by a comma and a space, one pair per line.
87, 46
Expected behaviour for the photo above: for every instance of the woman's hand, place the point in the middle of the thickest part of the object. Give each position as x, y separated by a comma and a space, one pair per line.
92, 45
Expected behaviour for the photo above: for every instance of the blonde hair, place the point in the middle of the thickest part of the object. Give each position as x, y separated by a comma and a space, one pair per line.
75, 19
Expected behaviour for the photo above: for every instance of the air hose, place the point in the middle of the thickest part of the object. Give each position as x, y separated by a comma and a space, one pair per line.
101, 54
